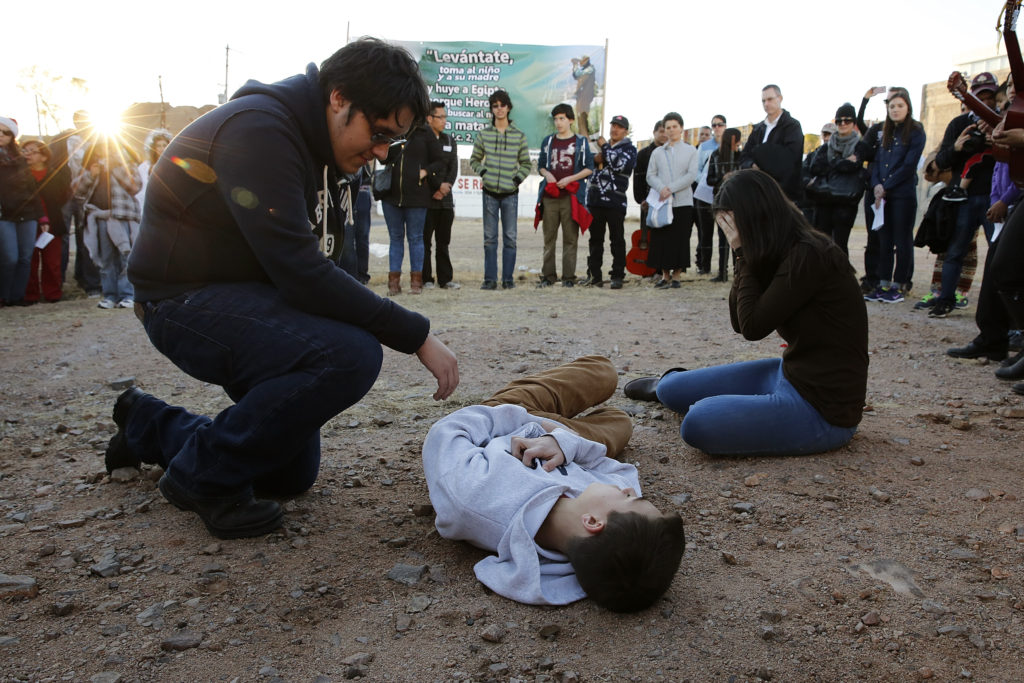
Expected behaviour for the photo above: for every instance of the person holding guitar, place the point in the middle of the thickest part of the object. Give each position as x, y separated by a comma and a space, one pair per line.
961, 142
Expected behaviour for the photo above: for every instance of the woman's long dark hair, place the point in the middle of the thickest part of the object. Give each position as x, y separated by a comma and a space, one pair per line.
908, 125
770, 225
726, 155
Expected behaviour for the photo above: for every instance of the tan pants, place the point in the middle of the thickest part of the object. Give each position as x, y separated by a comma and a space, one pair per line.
558, 211
564, 392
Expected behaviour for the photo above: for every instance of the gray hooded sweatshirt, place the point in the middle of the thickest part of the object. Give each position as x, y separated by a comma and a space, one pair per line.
485, 496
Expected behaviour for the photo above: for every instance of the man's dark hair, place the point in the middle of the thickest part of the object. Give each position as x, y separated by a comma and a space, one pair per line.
377, 78
718, 116
434, 104
502, 97
563, 108
778, 90
631, 562
673, 116
658, 125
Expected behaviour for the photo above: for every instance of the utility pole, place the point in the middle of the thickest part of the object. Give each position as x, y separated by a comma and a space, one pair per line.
163, 105
227, 50
39, 119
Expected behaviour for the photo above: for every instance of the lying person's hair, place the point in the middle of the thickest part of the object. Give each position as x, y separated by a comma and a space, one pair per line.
631, 562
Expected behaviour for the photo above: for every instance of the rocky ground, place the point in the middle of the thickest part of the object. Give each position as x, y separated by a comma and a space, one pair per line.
896, 558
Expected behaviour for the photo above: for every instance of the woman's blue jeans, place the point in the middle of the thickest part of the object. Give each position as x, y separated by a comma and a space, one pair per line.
402, 223
747, 408
287, 371
17, 240
508, 209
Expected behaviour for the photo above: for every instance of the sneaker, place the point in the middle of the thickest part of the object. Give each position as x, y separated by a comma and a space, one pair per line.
508, 284
106, 303
568, 283
675, 285
592, 282
126, 302
926, 302
961, 301
93, 294
890, 295
941, 309
449, 285
955, 194
544, 283
662, 284
874, 295
616, 283
1015, 340
428, 285
489, 284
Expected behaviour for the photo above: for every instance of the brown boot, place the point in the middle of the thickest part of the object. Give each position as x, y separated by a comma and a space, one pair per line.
416, 282
394, 282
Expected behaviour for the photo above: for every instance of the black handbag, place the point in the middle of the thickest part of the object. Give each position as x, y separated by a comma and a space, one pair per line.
382, 180
836, 188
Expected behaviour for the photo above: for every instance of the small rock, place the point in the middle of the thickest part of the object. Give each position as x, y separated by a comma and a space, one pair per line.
549, 630
7, 641
122, 383
358, 659
408, 574
498, 668
211, 549
1010, 411
268, 671
493, 633
681, 498
355, 672
105, 677
15, 586
773, 617
951, 630
423, 510
933, 607
123, 475
879, 495
403, 622
917, 460
61, 609
978, 494
752, 480
70, 523
107, 567
185, 640
728, 558
768, 633
743, 507
961, 424
963, 554
419, 603
871, 619
925, 672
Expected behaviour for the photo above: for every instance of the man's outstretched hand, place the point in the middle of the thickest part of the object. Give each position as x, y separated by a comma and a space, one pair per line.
442, 364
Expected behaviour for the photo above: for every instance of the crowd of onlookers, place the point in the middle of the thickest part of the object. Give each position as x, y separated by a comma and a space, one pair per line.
77, 184
92, 187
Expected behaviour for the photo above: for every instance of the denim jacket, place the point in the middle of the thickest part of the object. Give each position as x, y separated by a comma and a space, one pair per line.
582, 159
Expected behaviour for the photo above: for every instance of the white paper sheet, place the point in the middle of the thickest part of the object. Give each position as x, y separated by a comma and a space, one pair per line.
879, 216
43, 239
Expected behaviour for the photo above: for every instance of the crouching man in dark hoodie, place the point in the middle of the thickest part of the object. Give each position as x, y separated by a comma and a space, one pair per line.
235, 286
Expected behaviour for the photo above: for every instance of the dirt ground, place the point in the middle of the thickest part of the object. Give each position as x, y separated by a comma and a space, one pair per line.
898, 557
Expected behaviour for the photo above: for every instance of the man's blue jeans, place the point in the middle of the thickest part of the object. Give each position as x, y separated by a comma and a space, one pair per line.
508, 208
747, 408
402, 223
113, 266
288, 373
17, 240
969, 216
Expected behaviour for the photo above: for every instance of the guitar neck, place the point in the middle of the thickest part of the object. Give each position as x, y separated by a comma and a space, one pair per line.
1013, 54
990, 117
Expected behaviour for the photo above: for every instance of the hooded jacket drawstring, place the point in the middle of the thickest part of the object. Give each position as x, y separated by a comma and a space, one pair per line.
323, 215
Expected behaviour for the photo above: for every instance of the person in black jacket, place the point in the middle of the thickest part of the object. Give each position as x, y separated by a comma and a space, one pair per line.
441, 211
405, 203
643, 160
20, 212
836, 160
776, 145
233, 285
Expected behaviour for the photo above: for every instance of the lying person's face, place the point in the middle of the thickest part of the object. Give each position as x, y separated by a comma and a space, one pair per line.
602, 499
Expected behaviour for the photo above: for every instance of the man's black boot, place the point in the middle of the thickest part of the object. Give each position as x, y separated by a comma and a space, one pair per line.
236, 517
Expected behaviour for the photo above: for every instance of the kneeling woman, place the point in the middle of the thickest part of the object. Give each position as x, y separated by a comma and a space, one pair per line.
796, 281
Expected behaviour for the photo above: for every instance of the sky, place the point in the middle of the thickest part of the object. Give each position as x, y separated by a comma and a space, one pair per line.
698, 59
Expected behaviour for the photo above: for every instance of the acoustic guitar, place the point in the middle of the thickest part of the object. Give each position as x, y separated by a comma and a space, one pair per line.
636, 259
1013, 117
